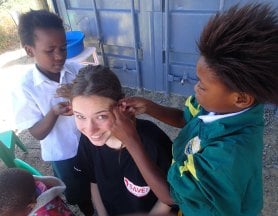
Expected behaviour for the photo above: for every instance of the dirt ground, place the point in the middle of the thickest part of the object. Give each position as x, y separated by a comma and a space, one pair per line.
270, 153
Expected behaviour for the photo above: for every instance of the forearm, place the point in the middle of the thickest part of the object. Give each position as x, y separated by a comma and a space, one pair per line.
97, 200
125, 130
42, 128
168, 115
160, 208
150, 171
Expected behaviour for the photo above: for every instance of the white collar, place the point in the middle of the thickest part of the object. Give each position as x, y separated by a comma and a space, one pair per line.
210, 117
40, 78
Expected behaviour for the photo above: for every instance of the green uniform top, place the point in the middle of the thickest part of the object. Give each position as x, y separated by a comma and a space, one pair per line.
217, 166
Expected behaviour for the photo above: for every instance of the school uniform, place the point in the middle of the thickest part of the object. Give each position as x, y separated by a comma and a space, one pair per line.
217, 162
34, 96
32, 100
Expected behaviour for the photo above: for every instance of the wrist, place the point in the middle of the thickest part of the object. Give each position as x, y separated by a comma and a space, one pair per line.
54, 112
149, 107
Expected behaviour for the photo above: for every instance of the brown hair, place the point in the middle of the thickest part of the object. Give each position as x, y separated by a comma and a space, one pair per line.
93, 80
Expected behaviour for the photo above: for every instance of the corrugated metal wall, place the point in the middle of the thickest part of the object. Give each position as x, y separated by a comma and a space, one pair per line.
150, 44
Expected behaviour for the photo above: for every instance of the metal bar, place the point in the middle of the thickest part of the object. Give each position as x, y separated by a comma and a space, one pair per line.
53, 6
166, 45
99, 35
221, 5
135, 45
63, 13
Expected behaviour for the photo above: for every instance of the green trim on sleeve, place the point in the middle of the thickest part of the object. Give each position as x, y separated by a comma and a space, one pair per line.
189, 166
193, 107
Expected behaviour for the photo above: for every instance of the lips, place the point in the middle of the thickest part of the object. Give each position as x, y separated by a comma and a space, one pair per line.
96, 137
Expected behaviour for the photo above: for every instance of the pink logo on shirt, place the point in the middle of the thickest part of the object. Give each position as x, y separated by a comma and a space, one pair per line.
136, 190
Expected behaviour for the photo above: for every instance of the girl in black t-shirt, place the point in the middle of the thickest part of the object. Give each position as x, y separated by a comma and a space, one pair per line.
118, 186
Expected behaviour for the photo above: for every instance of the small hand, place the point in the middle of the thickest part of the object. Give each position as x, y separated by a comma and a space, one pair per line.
124, 126
63, 108
134, 105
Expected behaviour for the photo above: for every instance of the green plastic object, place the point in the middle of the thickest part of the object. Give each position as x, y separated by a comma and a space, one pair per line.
7, 155
8, 140
23, 165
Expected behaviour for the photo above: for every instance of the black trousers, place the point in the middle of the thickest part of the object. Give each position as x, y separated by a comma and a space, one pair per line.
78, 190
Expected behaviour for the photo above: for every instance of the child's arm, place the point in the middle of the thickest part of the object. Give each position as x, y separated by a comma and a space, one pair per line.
97, 200
168, 115
124, 129
160, 208
42, 128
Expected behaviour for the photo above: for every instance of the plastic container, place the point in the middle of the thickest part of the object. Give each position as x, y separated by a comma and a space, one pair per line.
75, 44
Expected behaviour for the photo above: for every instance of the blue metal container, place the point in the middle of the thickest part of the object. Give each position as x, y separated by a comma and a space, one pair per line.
75, 43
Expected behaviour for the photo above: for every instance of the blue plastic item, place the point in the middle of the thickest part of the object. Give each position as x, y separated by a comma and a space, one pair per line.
75, 43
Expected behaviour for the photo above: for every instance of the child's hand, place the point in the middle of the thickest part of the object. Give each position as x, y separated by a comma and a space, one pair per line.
124, 126
63, 108
134, 105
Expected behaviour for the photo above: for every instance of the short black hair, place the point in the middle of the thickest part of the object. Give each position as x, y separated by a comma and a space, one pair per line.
17, 190
241, 46
35, 19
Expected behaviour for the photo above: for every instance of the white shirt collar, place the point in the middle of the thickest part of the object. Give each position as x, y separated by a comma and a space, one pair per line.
40, 78
210, 117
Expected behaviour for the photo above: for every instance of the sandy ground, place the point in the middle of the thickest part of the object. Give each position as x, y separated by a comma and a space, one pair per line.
9, 74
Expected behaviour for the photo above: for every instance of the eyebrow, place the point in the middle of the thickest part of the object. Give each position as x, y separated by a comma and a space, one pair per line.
94, 113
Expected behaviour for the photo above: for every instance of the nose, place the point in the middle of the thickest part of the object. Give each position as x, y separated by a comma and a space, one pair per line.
60, 55
91, 128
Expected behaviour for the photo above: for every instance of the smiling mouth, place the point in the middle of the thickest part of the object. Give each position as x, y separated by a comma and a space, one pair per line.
96, 137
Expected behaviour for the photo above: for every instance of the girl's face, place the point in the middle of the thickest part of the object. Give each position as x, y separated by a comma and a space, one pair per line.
93, 117
211, 93
49, 50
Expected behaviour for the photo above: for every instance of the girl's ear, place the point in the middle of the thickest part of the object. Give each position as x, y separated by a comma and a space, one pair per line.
244, 100
29, 50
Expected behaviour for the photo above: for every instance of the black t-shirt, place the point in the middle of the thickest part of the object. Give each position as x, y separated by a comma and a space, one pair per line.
122, 188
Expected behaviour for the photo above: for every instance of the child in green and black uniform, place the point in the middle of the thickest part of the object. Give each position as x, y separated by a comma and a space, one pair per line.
217, 156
